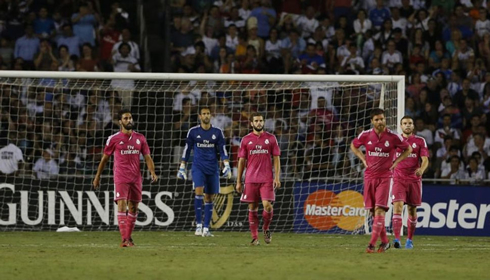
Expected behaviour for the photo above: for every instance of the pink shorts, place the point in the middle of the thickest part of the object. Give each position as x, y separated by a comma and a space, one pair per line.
128, 191
377, 192
407, 191
255, 192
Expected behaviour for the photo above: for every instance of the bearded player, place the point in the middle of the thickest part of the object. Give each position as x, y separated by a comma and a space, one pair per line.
255, 152
407, 187
381, 144
207, 142
126, 145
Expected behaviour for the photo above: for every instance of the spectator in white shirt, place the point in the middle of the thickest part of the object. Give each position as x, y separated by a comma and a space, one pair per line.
46, 167
124, 62
221, 118
126, 38
482, 25
474, 172
362, 24
307, 23
232, 37
391, 56
478, 143
273, 52
453, 172
463, 55
353, 62
11, 157
398, 21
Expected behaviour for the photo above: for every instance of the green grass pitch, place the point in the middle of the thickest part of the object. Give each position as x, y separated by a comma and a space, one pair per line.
181, 255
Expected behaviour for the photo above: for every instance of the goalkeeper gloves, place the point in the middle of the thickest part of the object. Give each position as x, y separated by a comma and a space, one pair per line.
181, 174
227, 171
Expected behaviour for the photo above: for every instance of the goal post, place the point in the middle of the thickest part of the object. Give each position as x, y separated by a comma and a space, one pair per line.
66, 117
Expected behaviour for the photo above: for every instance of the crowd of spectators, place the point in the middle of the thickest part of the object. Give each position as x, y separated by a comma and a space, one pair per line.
441, 47
61, 129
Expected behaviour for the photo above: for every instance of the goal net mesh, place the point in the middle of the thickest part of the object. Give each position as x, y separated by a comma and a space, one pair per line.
61, 126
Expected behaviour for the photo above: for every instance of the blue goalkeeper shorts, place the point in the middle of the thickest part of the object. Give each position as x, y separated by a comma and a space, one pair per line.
209, 181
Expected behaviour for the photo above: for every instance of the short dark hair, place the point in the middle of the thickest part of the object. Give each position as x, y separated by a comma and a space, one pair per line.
122, 112
377, 111
406, 117
255, 114
122, 45
203, 108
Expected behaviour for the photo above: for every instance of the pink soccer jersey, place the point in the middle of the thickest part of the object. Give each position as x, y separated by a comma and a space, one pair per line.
127, 150
406, 168
380, 151
257, 150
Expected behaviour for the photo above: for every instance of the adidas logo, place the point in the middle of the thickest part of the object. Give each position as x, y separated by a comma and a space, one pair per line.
198, 136
250, 143
369, 143
121, 143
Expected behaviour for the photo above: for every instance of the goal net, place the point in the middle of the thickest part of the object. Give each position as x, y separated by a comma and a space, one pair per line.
58, 124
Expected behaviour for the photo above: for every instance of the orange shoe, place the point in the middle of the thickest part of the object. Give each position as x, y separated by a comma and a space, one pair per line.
383, 247
124, 243
370, 249
130, 242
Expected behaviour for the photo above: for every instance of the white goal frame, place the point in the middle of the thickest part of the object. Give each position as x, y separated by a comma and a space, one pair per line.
355, 80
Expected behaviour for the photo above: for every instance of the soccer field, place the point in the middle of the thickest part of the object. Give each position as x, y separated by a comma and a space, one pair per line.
180, 255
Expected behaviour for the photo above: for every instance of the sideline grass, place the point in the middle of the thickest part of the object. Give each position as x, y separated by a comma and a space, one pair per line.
180, 255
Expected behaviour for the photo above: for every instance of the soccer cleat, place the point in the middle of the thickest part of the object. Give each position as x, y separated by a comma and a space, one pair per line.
124, 243
397, 244
130, 242
255, 242
370, 249
207, 233
267, 236
198, 231
383, 247
409, 244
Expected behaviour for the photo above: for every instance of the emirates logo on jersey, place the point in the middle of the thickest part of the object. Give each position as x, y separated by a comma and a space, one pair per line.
387, 144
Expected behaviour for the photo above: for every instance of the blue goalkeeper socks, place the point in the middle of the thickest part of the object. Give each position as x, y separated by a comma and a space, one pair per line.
198, 208
208, 213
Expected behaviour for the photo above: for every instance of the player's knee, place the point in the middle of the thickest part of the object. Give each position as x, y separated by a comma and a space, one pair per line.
253, 206
398, 207
412, 210
122, 206
132, 208
199, 190
208, 198
267, 206
379, 211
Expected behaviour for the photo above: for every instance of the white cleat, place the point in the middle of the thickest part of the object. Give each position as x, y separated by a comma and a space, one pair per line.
198, 230
207, 233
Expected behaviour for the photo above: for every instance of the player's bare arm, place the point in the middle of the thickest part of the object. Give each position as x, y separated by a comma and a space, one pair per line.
403, 156
423, 166
241, 167
103, 162
358, 154
277, 172
151, 167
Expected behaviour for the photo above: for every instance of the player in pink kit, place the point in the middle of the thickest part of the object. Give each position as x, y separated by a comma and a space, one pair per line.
126, 145
407, 183
380, 144
256, 150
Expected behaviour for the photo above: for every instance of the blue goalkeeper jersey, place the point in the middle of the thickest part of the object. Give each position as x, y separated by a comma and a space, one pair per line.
206, 144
